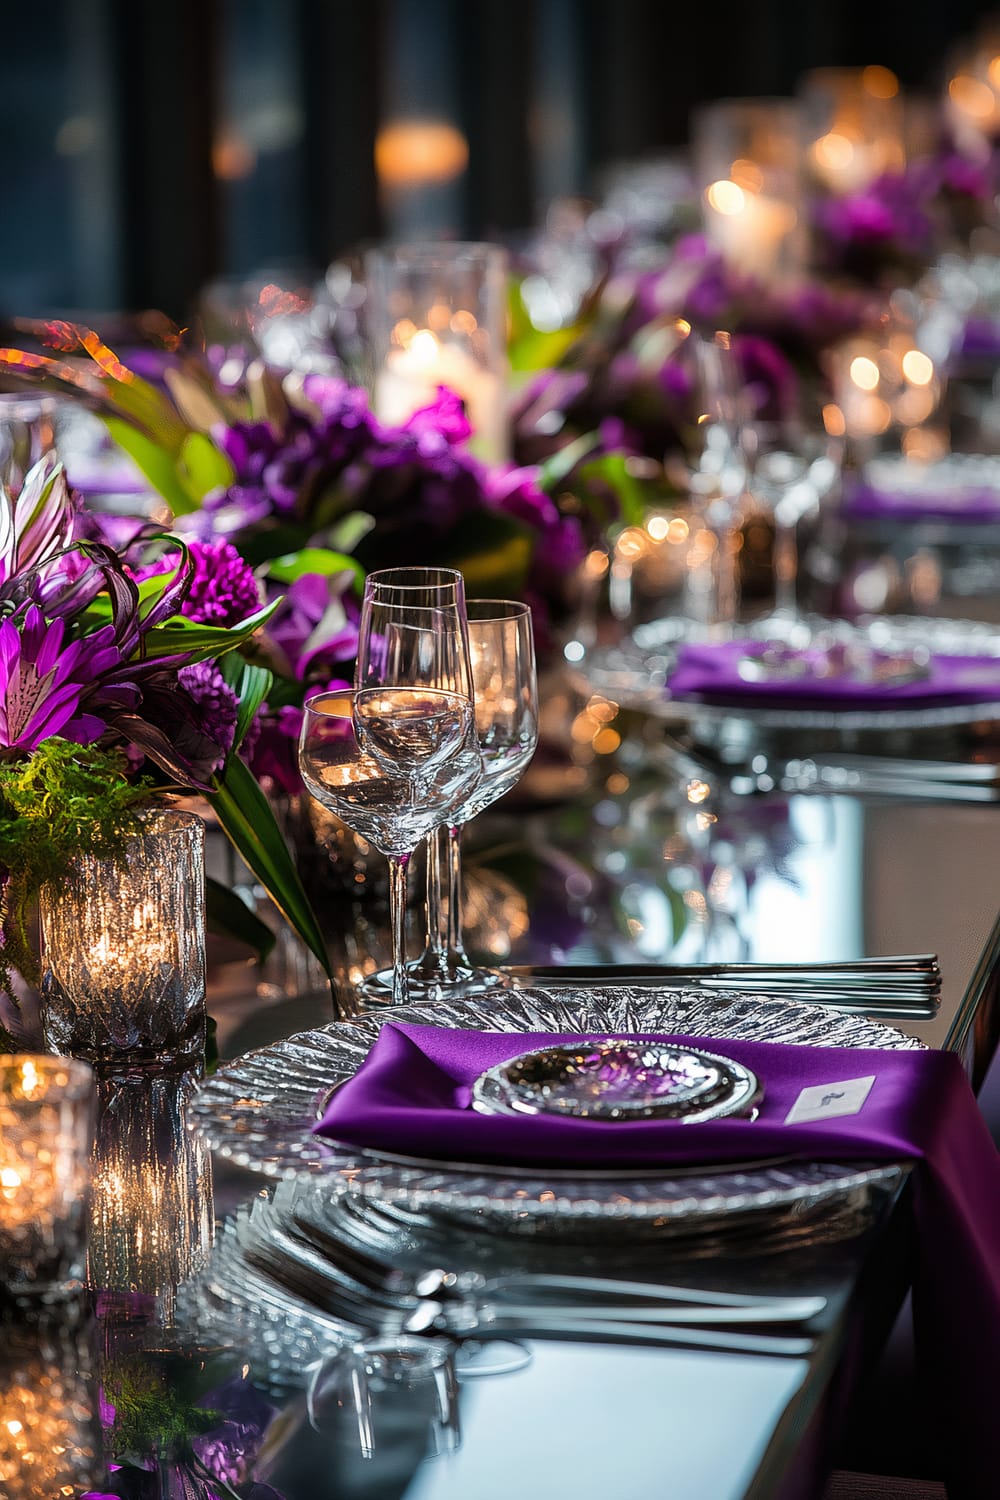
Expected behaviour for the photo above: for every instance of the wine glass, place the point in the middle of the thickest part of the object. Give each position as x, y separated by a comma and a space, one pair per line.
413, 633
505, 686
795, 465
393, 764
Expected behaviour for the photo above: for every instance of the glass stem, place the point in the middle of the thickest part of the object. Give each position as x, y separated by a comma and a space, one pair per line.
397, 913
456, 949
786, 567
436, 944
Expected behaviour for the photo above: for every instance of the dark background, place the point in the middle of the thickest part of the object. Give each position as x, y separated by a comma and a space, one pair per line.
151, 146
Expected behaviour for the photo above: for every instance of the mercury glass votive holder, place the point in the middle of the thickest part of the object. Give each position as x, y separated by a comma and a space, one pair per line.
46, 1127
152, 1210
124, 950
50, 1434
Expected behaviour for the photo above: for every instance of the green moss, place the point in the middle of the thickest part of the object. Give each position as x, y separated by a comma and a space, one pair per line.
64, 800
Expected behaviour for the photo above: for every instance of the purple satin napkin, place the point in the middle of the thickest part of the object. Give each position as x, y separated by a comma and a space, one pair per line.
711, 672
412, 1097
981, 339
864, 502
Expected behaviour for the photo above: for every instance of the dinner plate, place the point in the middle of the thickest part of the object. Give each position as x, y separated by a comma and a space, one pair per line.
260, 1111
658, 641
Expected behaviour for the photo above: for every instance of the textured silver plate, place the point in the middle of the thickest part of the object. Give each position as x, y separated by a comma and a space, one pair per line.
260, 1111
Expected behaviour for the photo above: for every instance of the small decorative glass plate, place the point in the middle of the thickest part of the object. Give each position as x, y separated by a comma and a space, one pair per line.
261, 1110
618, 1080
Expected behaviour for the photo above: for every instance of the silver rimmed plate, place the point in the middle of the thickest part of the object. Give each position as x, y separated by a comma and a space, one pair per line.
260, 1111
616, 1079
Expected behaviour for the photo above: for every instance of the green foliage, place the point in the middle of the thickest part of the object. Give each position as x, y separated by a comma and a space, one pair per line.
151, 1416
65, 799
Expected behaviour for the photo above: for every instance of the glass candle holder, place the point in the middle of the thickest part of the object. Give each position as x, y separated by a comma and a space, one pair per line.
46, 1126
748, 161
152, 1208
50, 1435
437, 315
27, 433
124, 949
855, 126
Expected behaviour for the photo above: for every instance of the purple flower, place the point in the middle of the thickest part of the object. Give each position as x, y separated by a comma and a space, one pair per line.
223, 589
44, 681
316, 622
445, 417
215, 705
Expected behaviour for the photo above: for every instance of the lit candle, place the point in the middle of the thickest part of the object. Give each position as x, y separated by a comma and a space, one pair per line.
857, 124
420, 361
751, 229
46, 1124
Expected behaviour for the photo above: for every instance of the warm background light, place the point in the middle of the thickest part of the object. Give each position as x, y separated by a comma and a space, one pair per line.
411, 153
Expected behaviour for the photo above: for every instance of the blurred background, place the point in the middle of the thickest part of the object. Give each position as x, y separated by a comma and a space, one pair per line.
154, 148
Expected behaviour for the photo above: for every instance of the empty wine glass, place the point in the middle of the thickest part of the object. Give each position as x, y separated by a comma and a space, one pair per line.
795, 464
427, 763
413, 633
505, 685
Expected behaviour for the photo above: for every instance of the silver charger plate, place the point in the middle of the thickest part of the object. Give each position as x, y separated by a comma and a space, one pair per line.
260, 1111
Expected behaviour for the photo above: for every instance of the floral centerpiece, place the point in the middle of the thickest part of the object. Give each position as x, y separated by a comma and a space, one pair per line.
110, 693
294, 488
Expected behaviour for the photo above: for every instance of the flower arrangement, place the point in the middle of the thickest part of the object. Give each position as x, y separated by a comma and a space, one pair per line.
295, 489
110, 693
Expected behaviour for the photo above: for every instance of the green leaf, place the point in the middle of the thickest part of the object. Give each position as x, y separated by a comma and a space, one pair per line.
251, 685
157, 463
203, 467
613, 470
313, 560
182, 637
245, 814
557, 469
227, 916
345, 534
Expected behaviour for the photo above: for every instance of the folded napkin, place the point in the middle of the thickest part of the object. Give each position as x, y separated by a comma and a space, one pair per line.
413, 1096
711, 672
867, 502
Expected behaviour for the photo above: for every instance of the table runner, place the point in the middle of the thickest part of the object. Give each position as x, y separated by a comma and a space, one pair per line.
711, 671
412, 1096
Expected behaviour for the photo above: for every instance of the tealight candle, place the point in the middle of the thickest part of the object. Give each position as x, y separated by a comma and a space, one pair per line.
124, 948
436, 316
46, 1125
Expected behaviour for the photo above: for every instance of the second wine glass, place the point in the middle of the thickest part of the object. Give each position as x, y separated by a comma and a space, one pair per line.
505, 687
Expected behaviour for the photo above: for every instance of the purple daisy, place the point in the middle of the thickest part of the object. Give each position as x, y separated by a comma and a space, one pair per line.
44, 681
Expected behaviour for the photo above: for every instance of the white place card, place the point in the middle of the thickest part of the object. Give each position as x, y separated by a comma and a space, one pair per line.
824, 1101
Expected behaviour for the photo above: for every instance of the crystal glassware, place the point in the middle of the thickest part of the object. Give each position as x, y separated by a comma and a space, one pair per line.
436, 315
413, 632
27, 433
505, 686
124, 949
394, 764
46, 1125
